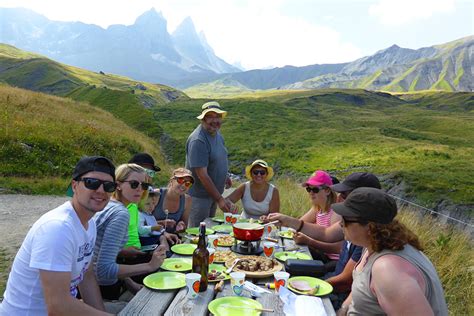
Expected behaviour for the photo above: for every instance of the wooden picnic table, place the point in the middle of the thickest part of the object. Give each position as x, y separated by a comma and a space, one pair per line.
174, 302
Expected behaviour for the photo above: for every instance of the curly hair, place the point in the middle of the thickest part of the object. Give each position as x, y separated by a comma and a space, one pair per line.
392, 236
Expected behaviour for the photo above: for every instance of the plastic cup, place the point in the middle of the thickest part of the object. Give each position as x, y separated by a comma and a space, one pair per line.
211, 254
193, 281
228, 218
212, 241
235, 218
281, 279
268, 249
237, 280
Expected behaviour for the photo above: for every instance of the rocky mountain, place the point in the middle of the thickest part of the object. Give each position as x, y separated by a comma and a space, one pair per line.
143, 51
445, 67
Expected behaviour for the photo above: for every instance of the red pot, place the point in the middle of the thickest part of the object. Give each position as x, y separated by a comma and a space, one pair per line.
248, 231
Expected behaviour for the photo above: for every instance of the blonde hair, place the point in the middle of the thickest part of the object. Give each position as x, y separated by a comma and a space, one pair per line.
123, 172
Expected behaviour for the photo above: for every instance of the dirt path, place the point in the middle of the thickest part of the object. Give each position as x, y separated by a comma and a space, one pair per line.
18, 212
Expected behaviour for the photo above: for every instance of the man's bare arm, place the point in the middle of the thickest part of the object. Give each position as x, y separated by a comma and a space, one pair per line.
58, 299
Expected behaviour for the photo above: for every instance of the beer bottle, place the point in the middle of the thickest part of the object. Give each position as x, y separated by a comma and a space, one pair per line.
201, 258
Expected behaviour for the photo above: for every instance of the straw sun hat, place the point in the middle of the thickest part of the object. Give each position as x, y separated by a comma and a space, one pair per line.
212, 106
261, 163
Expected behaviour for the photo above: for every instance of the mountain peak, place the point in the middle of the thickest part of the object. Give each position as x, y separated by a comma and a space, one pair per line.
151, 18
185, 29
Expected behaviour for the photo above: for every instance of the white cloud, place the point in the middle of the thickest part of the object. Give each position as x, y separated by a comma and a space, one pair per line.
400, 12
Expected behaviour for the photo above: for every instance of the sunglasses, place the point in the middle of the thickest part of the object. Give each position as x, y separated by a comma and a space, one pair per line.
134, 184
259, 172
186, 183
94, 184
314, 189
150, 173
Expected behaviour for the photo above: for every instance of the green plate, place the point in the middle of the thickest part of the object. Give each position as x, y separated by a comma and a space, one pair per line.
234, 306
195, 231
284, 255
223, 228
177, 264
220, 268
184, 249
286, 234
324, 287
165, 280
218, 218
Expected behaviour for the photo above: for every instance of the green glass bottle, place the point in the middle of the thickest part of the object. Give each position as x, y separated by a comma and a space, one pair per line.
201, 258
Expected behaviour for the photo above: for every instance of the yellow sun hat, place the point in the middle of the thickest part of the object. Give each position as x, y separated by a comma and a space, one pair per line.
261, 163
212, 106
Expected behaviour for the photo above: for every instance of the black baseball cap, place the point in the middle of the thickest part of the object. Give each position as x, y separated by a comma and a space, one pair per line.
368, 204
91, 163
144, 158
357, 180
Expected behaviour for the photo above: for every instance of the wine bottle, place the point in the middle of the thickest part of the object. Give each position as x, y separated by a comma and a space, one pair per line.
201, 258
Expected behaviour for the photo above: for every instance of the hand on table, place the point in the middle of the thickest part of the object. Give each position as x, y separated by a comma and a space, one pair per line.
172, 239
157, 257
300, 238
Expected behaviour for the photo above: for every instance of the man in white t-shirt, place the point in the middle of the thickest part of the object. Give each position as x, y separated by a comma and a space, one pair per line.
54, 259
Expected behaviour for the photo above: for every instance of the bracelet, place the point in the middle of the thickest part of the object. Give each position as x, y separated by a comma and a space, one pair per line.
301, 226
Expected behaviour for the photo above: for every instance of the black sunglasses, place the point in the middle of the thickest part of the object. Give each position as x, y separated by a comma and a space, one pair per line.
94, 184
314, 189
259, 172
134, 184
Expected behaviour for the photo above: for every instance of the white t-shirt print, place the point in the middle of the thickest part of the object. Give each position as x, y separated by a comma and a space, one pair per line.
56, 242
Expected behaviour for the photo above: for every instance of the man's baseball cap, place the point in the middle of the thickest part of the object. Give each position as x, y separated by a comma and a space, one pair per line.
368, 204
144, 159
91, 163
357, 180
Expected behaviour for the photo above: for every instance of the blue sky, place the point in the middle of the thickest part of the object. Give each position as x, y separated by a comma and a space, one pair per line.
267, 33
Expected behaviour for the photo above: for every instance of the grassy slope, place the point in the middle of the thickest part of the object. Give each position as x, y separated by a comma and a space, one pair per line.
43, 136
123, 97
345, 131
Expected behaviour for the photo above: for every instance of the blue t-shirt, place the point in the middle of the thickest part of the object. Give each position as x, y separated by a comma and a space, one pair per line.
206, 150
348, 251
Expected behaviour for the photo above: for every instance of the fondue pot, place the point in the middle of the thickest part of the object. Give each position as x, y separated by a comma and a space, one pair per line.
248, 231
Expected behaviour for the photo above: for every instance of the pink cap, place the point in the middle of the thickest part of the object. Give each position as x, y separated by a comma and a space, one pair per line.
319, 178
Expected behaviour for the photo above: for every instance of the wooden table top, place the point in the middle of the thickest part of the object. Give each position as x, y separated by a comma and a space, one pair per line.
174, 302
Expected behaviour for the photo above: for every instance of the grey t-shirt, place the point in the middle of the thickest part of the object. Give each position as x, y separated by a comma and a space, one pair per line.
206, 150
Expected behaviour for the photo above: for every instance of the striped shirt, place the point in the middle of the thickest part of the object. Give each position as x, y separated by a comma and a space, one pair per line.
324, 219
112, 235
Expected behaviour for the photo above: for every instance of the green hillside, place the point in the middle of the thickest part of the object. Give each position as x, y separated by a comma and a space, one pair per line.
42, 137
127, 99
344, 131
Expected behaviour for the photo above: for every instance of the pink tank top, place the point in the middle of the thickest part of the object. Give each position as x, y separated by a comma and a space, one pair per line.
324, 219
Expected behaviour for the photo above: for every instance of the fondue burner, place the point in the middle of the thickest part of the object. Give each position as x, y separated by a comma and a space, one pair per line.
246, 247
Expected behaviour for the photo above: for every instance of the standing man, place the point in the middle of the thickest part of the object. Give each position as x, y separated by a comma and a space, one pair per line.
206, 157
54, 259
